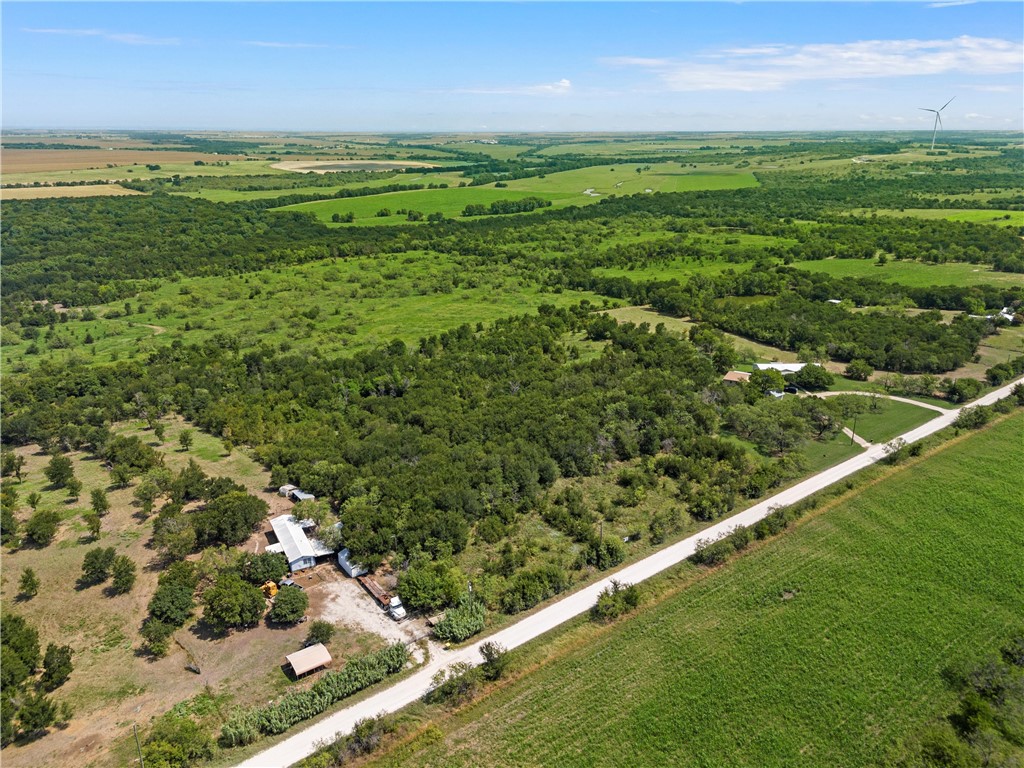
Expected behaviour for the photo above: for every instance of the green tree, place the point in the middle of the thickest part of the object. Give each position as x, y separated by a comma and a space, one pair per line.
100, 502
121, 475
92, 520
320, 631
59, 471
37, 713
232, 602
28, 584
34, 499
159, 431
123, 571
74, 486
186, 438
431, 585
57, 666
762, 381
229, 519
146, 493
96, 565
289, 606
859, 370
812, 377
264, 567
11, 463
42, 526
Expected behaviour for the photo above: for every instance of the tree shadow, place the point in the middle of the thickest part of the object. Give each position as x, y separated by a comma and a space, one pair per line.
203, 630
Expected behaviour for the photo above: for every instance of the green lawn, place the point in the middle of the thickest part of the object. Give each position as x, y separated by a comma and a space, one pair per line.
824, 647
891, 418
913, 273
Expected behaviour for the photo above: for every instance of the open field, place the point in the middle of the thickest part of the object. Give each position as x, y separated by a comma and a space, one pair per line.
133, 166
1001, 218
232, 195
330, 307
562, 189
827, 642
914, 273
40, 161
114, 684
86, 190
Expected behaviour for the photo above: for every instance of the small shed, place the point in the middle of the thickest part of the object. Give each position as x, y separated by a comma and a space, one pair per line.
352, 570
297, 495
309, 659
284, 490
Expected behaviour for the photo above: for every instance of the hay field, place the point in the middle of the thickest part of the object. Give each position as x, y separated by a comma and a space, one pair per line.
86, 190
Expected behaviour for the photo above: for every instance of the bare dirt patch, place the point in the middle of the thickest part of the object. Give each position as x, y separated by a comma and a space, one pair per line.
85, 190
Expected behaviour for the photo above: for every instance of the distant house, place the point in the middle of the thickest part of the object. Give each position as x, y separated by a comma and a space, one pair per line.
736, 377
352, 570
292, 540
309, 659
833, 301
782, 368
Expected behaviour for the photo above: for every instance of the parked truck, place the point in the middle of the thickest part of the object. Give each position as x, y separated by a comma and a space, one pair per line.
388, 602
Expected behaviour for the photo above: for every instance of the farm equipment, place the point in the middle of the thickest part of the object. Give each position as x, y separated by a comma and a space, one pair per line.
269, 589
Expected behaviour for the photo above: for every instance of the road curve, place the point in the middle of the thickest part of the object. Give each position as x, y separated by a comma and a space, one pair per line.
412, 688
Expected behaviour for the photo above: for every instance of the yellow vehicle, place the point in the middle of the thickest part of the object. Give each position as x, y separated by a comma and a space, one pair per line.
269, 589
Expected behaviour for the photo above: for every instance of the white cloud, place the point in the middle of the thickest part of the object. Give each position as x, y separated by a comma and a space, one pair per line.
558, 88
273, 44
129, 38
773, 67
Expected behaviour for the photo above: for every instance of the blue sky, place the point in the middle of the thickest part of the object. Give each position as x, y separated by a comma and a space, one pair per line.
512, 66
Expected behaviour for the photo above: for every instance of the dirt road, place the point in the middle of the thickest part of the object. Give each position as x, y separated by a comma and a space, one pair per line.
412, 688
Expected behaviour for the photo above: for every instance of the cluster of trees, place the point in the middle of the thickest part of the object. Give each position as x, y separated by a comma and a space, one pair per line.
25, 709
498, 207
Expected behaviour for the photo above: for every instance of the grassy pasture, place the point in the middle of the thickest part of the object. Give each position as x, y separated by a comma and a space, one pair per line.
914, 273
1000, 218
826, 643
562, 189
333, 308
233, 195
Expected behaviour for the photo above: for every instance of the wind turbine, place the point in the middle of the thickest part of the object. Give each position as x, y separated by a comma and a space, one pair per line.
938, 118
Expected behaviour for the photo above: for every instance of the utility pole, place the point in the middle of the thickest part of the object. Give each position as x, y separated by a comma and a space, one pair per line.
600, 546
853, 432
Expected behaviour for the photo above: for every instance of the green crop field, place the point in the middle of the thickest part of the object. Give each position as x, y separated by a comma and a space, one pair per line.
821, 648
914, 273
623, 179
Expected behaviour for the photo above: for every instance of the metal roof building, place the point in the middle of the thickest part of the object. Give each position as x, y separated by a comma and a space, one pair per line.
309, 659
292, 540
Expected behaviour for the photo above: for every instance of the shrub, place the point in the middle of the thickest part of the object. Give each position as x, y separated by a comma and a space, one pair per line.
56, 666
123, 571
320, 631
96, 565
462, 621
615, 601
